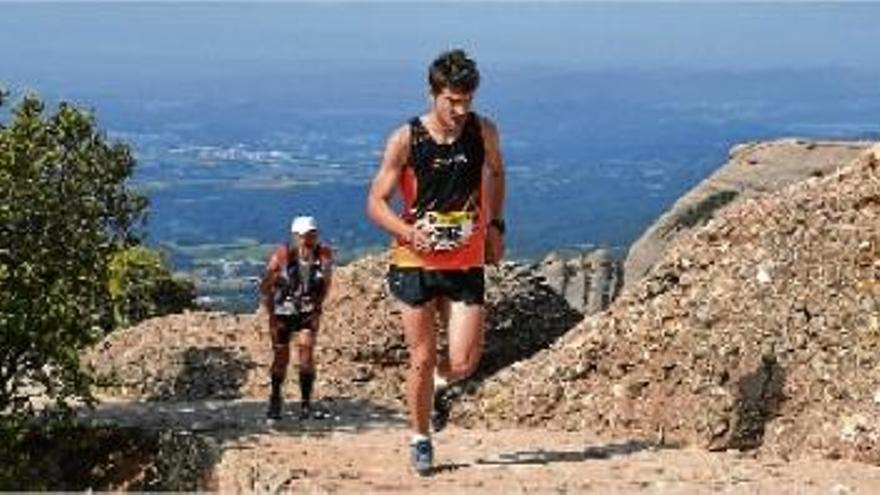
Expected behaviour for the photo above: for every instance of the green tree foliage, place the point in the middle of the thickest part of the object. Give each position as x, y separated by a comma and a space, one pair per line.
70, 270
141, 286
65, 209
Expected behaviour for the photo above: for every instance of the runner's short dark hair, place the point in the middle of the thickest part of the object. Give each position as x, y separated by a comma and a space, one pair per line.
454, 70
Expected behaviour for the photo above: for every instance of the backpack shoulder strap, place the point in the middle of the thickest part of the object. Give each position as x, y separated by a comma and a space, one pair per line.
278, 258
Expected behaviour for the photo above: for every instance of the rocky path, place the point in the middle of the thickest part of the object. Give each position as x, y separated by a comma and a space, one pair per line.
362, 448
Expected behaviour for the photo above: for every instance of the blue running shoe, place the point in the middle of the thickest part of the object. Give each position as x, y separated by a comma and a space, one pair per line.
421, 456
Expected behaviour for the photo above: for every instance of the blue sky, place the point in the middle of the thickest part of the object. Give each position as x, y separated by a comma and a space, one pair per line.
437, 1
733, 36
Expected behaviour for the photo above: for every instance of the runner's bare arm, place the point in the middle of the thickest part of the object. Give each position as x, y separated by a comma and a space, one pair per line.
496, 187
268, 281
327, 263
495, 168
384, 184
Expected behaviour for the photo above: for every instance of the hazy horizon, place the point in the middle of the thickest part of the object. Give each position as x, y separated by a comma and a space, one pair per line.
586, 36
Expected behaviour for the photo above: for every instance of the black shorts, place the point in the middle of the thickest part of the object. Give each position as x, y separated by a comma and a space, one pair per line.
289, 325
416, 286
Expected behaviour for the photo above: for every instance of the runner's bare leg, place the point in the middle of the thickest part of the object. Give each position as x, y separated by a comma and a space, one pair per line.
465, 341
421, 339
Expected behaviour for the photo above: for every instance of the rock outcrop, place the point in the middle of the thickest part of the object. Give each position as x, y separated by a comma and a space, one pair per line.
361, 353
588, 280
761, 328
752, 169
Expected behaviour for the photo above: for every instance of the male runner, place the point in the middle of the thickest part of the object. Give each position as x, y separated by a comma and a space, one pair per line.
447, 166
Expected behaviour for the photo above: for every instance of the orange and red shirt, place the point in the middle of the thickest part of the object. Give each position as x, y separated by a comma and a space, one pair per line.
443, 192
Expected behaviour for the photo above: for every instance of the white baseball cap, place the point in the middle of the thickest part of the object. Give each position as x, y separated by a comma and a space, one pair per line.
301, 225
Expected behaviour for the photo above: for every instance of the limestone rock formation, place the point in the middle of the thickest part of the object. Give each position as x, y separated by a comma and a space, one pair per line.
588, 280
761, 328
752, 169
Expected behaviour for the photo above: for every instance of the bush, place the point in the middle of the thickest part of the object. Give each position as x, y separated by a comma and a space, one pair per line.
141, 286
65, 209
70, 270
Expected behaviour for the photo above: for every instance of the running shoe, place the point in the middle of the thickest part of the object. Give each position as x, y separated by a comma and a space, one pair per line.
421, 456
442, 406
274, 412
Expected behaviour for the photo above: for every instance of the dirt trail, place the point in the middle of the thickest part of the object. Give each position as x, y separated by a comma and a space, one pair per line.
362, 448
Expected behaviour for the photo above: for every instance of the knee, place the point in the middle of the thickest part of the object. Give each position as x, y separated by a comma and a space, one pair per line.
305, 347
306, 361
464, 367
465, 363
423, 361
282, 353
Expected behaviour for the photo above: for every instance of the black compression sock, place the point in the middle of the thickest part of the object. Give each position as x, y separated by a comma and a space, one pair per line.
277, 380
306, 382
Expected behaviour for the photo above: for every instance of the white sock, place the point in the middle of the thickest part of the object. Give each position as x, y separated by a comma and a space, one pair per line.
418, 437
439, 381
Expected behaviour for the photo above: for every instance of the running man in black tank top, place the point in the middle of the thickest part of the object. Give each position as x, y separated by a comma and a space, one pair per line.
447, 166
292, 293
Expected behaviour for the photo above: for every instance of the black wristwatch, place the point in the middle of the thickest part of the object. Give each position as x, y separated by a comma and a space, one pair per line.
498, 223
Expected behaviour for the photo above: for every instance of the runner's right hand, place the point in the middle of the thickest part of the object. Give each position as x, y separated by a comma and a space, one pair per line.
420, 240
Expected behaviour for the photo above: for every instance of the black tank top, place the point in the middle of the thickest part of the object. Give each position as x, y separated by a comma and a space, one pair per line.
301, 281
448, 175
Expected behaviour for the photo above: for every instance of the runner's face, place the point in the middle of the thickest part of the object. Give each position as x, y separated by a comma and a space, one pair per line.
309, 239
451, 108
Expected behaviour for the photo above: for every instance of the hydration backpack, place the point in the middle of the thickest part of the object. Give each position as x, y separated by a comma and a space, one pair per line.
300, 286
